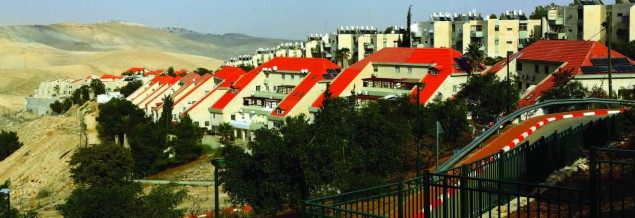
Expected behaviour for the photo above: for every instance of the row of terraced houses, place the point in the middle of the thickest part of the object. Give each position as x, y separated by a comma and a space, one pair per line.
286, 86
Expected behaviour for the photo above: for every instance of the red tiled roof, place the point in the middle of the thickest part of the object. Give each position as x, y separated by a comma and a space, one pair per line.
316, 66
180, 72
229, 74
110, 77
165, 82
198, 81
442, 57
156, 72
575, 53
135, 69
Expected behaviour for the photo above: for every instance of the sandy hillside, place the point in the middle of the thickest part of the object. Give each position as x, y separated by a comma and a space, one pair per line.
39, 170
24, 65
35, 53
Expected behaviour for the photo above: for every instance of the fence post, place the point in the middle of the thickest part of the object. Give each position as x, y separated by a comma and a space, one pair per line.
501, 165
400, 200
593, 189
463, 191
426, 194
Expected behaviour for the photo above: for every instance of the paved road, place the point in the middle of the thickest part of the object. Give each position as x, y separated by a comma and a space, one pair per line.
163, 182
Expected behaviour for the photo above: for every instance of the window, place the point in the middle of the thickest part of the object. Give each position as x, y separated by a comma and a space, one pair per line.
233, 117
509, 29
396, 69
292, 76
520, 86
455, 88
523, 27
510, 42
213, 116
453, 28
375, 69
282, 76
570, 30
536, 68
519, 66
409, 69
434, 72
496, 28
257, 88
206, 123
620, 14
496, 42
546, 69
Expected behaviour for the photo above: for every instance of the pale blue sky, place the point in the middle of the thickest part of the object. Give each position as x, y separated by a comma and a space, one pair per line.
286, 19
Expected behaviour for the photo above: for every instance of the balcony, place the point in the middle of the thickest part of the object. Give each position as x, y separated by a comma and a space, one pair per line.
476, 34
369, 46
557, 21
556, 35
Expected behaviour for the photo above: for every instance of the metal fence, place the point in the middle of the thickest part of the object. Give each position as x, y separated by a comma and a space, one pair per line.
612, 182
499, 184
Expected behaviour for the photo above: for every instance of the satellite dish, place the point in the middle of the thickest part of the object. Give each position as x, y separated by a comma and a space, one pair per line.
275, 68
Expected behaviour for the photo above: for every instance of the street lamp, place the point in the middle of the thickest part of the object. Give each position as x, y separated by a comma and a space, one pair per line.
420, 87
218, 163
7, 191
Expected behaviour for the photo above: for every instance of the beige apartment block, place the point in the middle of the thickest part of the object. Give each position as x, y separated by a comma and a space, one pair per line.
583, 20
499, 36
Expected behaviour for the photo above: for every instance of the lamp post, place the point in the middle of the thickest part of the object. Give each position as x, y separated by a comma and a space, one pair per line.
420, 87
7, 191
609, 40
218, 163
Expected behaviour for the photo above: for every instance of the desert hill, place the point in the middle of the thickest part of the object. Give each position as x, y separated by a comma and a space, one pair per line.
35, 53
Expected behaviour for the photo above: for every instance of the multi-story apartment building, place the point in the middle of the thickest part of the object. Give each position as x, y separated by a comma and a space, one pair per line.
583, 20
360, 42
532, 68
499, 36
363, 41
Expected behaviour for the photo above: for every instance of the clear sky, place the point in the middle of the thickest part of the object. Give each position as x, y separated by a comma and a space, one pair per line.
286, 19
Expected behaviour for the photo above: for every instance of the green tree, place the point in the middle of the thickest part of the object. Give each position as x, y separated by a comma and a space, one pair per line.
406, 41
104, 165
389, 30
130, 87
202, 71
57, 107
162, 201
493, 16
226, 131
564, 89
171, 72
476, 56
541, 11
165, 121
491, 61
147, 146
9, 143
625, 48
317, 51
116, 118
188, 140
342, 56
487, 97
98, 87
102, 172
246, 67
531, 40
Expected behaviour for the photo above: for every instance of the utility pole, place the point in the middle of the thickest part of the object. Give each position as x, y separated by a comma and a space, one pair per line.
609, 36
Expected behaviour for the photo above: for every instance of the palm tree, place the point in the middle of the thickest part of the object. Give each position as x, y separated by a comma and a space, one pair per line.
342, 56
225, 130
476, 56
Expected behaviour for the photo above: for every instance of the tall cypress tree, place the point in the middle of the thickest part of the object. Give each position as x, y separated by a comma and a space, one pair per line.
406, 41
165, 121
